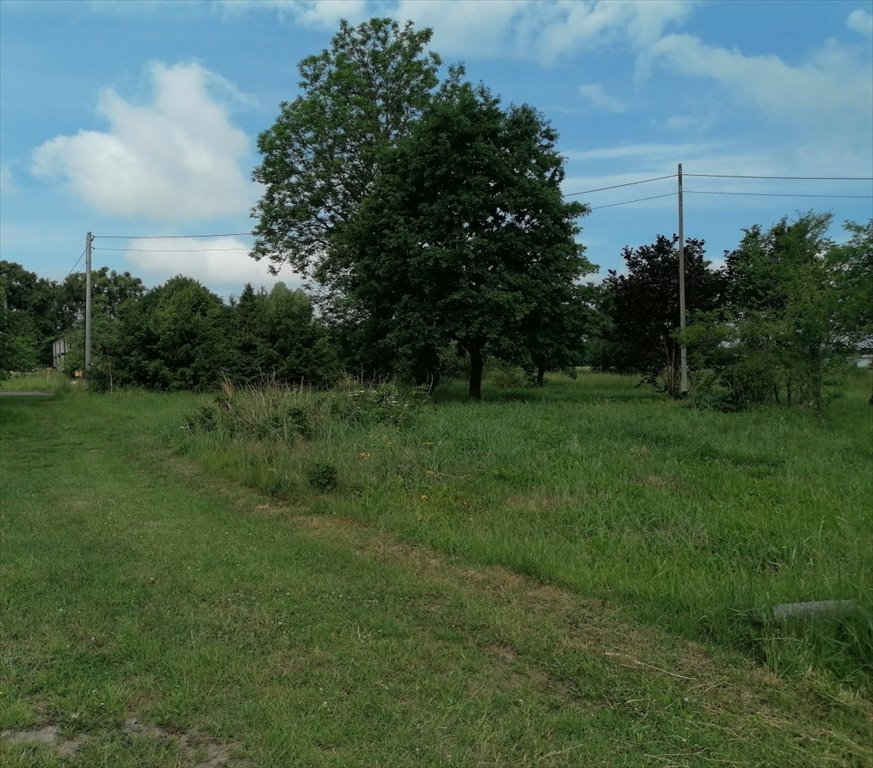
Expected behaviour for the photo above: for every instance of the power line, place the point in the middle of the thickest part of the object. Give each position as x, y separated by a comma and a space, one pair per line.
75, 265
775, 194
170, 250
617, 186
168, 237
787, 178
721, 176
569, 194
637, 200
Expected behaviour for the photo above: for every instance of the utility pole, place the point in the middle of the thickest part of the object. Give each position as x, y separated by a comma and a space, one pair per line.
88, 239
683, 352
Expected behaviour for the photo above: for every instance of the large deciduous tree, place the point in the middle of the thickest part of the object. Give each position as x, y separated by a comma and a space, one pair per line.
174, 337
466, 237
324, 153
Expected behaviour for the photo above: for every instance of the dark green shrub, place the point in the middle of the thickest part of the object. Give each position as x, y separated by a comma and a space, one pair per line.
322, 476
709, 393
205, 420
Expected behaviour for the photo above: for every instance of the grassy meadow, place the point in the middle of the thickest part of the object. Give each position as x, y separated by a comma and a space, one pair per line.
577, 575
695, 521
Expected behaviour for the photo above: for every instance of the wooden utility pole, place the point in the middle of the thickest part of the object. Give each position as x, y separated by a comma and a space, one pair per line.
88, 239
683, 352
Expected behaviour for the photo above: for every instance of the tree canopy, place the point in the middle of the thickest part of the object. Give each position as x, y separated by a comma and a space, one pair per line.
430, 216
644, 306
466, 238
324, 153
35, 316
796, 308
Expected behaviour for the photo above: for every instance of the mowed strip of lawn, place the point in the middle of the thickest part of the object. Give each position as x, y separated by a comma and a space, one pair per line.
156, 616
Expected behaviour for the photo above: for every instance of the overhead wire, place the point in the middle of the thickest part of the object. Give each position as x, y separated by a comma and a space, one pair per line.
170, 237
76, 264
773, 194
785, 178
170, 250
717, 192
617, 186
637, 200
761, 177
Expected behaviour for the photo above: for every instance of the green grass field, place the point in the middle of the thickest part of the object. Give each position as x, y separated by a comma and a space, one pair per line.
578, 575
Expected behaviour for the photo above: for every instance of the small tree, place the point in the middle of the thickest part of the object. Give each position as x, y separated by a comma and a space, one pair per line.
174, 337
293, 342
852, 265
853, 262
781, 302
110, 292
790, 315
247, 321
643, 307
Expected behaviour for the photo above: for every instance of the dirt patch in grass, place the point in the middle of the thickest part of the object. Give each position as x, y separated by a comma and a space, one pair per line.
197, 750
194, 749
48, 735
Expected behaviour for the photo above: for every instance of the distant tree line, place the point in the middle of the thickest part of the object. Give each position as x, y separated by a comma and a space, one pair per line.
788, 307
176, 336
432, 221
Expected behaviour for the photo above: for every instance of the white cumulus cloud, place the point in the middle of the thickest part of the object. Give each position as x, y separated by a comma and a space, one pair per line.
521, 29
600, 100
176, 158
322, 14
832, 85
544, 32
861, 22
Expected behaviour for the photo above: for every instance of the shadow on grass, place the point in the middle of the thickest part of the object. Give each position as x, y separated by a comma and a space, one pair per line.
586, 389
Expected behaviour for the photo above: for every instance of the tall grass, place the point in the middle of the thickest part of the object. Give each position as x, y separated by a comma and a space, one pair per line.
156, 614
692, 520
44, 380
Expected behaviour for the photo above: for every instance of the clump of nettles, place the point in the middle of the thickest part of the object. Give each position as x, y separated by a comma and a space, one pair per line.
204, 420
382, 403
322, 476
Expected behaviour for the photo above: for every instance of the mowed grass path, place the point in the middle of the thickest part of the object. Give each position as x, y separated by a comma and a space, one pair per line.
159, 615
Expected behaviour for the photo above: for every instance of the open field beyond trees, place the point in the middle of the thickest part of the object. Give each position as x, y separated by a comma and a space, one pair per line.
576, 575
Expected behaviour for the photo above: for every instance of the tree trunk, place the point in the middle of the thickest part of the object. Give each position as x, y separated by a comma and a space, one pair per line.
477, 363
541, 374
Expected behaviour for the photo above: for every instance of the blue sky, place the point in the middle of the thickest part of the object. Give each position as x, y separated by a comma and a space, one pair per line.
140, 118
